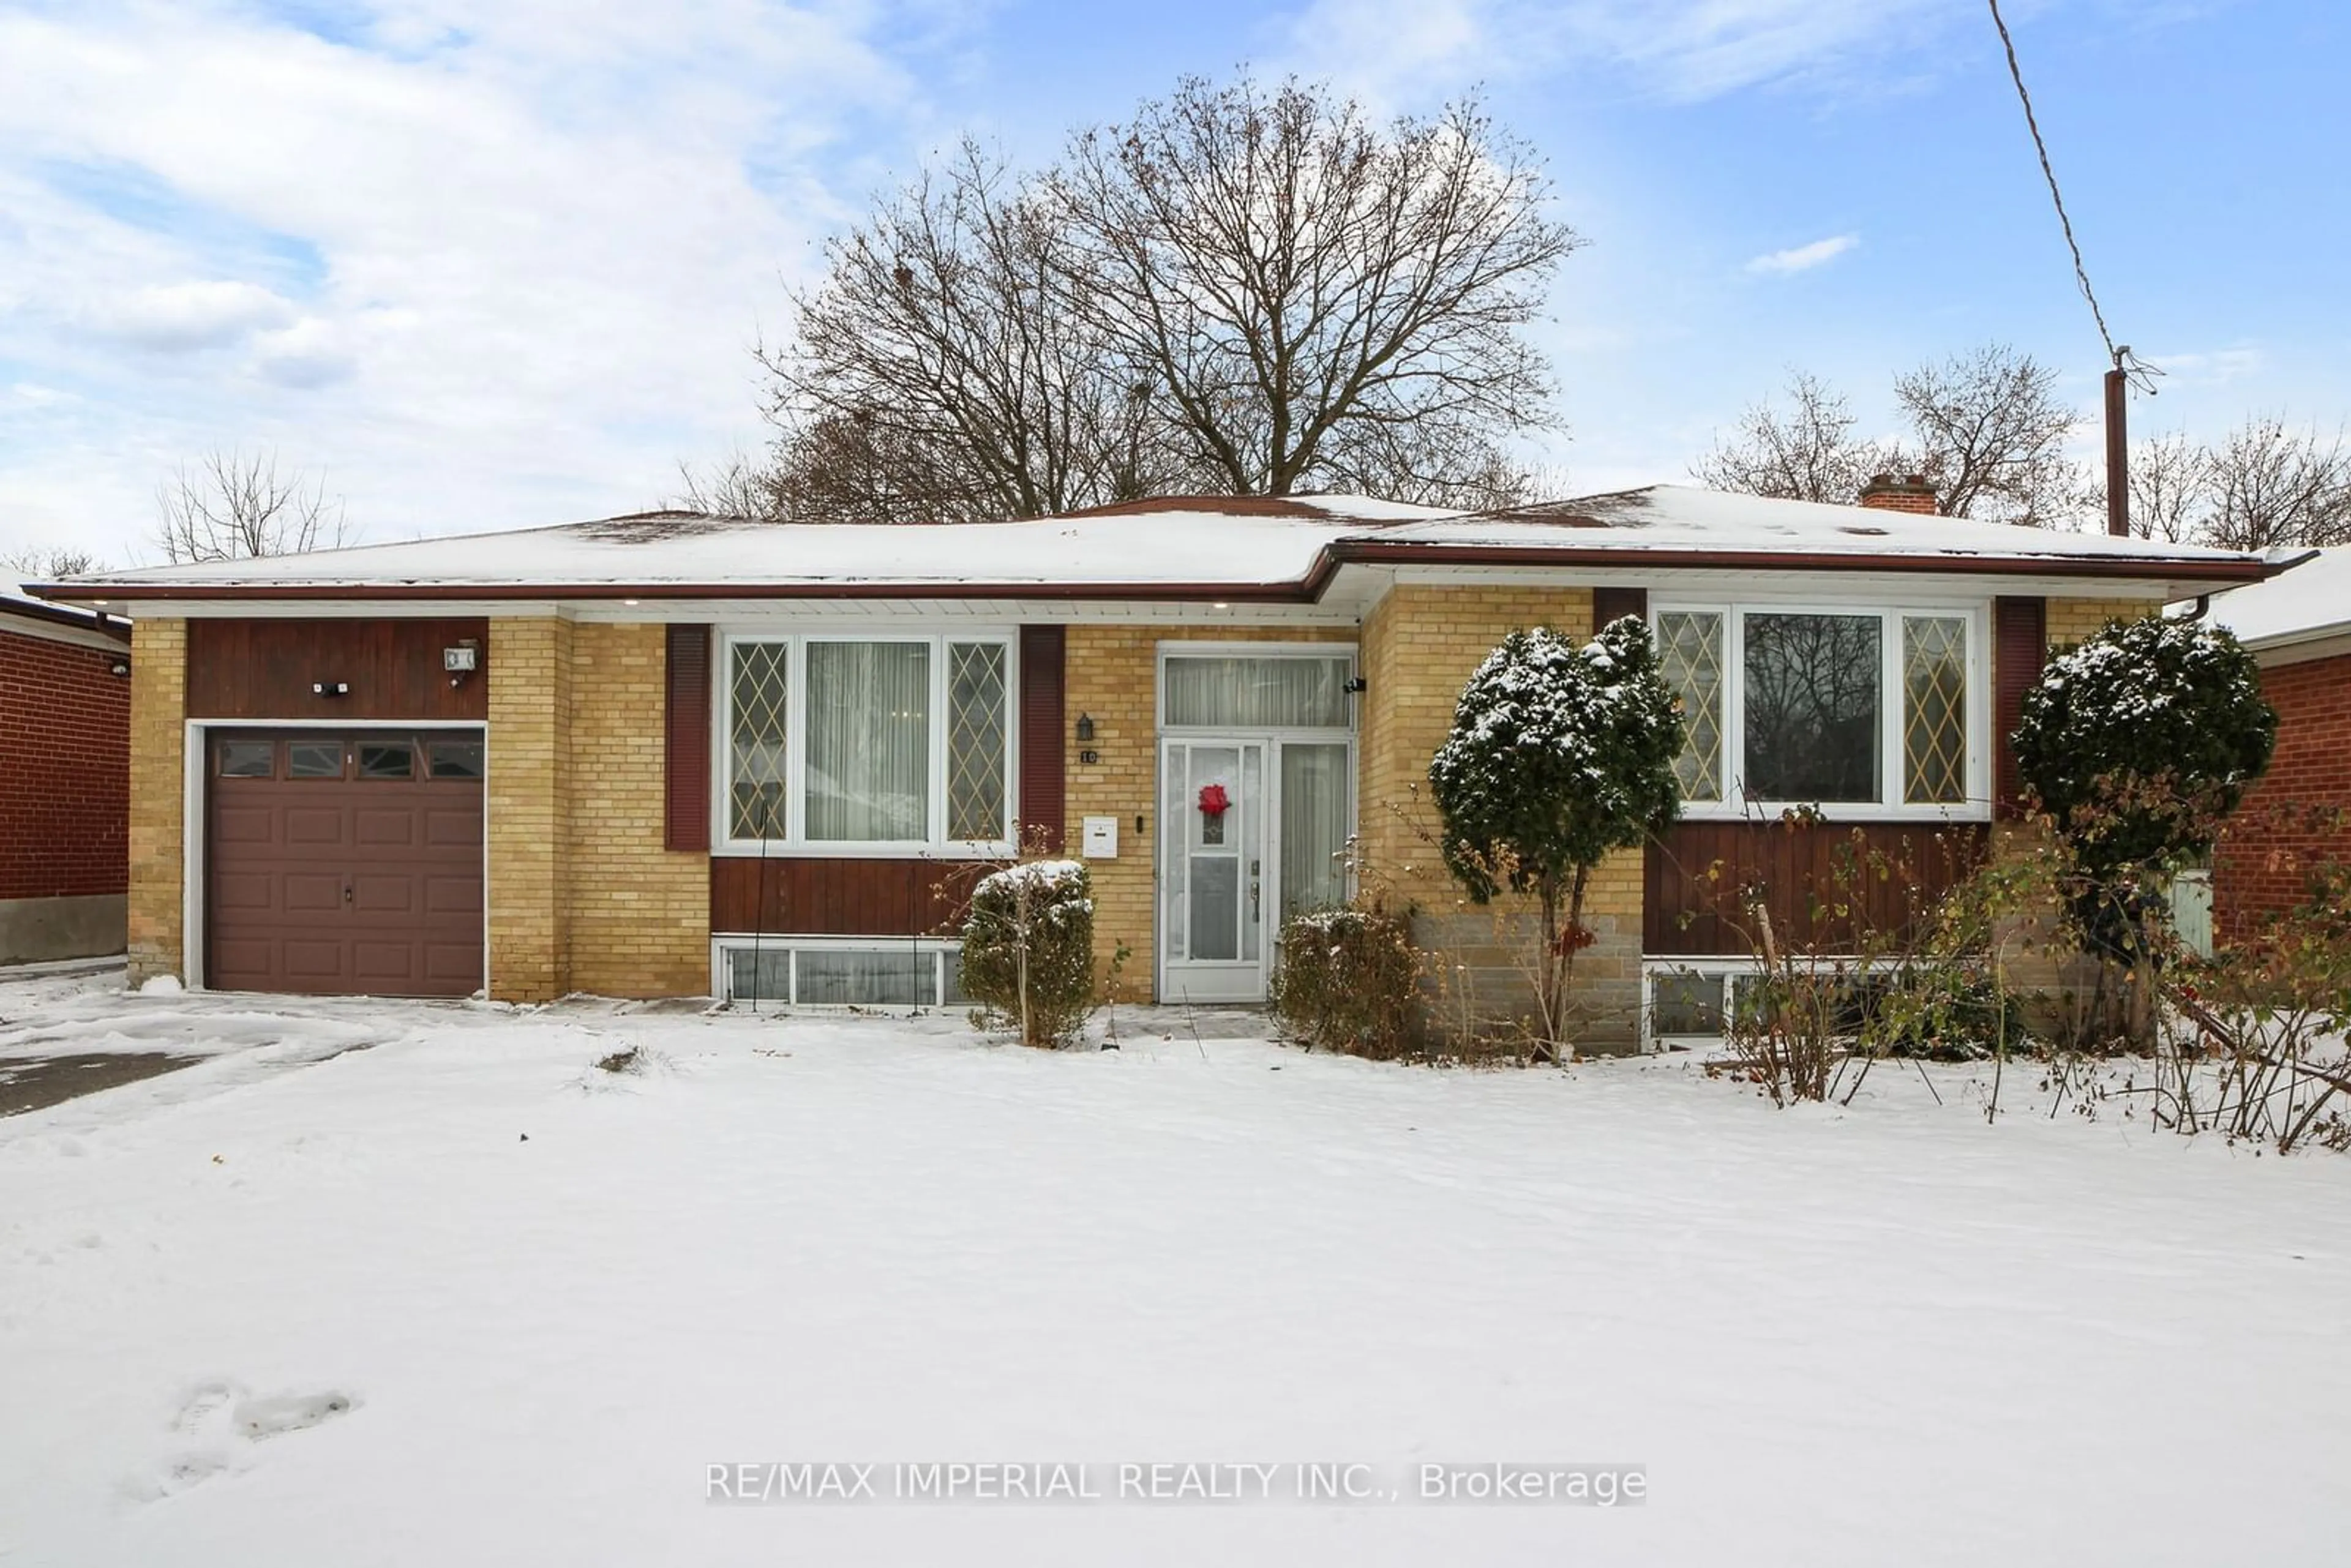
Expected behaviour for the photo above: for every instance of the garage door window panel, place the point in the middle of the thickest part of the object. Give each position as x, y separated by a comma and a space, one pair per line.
314, 759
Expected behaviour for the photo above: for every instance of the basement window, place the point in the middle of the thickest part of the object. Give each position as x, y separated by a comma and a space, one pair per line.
820, 972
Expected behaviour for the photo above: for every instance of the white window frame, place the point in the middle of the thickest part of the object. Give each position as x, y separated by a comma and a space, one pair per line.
1975, 806
942, 952
795, 839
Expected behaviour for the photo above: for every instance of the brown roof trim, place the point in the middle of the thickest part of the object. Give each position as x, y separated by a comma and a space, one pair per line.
1304, 590
1245, 593
1386, 553
63, 615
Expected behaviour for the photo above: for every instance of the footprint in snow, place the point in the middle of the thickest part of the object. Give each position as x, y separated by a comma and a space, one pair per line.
220, 1422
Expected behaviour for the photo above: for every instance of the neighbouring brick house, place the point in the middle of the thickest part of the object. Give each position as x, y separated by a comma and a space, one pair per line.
678, 755
2299, 627
65, 773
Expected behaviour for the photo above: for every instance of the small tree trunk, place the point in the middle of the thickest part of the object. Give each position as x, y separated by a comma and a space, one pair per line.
1020, 904
1547, 970
1567, 958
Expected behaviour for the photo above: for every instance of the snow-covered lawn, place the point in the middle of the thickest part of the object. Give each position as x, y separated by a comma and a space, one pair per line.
457, 1297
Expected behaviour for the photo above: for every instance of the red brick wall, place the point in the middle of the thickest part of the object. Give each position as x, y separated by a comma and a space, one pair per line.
65, 770
2262, 866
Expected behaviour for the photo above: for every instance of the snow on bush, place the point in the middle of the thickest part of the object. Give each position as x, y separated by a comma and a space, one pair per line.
1027, 948
1558, 754
2137, 743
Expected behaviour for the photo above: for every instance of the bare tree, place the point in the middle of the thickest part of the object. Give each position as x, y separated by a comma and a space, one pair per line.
1240, 290
2266, 483
1991, 435
47, 564
230, 506
2272, 485
1808, 453
935, 374
736, 485
1318, 302
1986, 428
2171, 489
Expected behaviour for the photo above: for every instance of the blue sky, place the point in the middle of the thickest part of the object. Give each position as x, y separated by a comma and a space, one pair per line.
492, 265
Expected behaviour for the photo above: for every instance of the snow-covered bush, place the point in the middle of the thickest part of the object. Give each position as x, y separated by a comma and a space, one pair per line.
1559, 753
1347, 981
2142, 738
1029, 948
2137, 743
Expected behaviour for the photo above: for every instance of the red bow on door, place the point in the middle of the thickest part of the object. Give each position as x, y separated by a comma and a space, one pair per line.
1213, 802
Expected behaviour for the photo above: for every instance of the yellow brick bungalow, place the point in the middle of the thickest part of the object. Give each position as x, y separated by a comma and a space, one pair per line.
677, 754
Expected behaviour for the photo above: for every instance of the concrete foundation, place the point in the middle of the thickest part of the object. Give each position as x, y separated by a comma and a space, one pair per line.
35, 930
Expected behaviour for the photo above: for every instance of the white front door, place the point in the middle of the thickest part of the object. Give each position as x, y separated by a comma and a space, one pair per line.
1213, 871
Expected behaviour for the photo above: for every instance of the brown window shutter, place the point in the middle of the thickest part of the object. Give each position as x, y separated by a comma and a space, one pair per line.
1043, 730
2019, 646
686, 738
1615, 603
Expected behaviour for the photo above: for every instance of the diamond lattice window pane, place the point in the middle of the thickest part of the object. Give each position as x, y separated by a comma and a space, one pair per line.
756, 726
1690, 647
1935, 710
976, 726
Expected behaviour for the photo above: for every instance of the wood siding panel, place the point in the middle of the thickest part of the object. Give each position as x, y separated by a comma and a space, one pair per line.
2019, 647
1044, 733
1686, 913
264, 669
1615, 603
806, 896
685, 741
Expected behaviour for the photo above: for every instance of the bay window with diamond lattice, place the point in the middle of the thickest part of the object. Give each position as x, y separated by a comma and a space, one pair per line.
759, 683
978, 721
1858, 711
1934, 709
837, 744
1690, 652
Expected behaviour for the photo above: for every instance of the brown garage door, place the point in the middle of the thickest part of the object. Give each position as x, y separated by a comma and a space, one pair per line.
345, 863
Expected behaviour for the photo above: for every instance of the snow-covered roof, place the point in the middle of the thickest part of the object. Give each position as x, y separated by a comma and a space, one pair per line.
2304, 604
1180, 547
17, 602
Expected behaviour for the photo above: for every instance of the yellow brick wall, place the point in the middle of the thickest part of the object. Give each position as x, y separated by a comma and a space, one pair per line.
1109, 674
639, 913
1421, 643
158, 827
2069, 620
530, 661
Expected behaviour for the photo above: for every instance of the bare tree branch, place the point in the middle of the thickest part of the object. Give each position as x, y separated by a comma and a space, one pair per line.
2171, 489
1808, 453
47, 564
1991, 436
2272, 485
1986, 430
233, 507
1304, 284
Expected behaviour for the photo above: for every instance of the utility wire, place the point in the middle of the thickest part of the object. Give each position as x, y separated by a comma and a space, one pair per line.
2081, 273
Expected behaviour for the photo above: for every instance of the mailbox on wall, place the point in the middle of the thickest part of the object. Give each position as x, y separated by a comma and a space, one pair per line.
1099, 840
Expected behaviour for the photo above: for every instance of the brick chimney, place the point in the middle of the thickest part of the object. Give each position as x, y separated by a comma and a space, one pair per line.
1906, 492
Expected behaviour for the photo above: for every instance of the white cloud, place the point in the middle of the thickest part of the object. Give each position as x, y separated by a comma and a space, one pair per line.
176, 317
1804, 257
492, 264
2215, 367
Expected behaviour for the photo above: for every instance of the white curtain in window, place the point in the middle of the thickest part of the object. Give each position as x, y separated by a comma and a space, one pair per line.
869, 741
1314, 780
1257, 693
